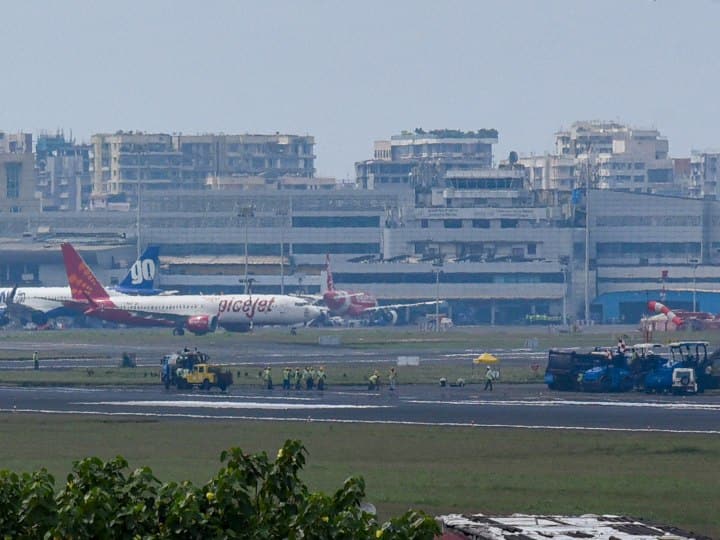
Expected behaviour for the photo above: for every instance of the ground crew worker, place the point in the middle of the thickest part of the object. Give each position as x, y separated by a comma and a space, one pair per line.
36, 361
489, 375
308, 379
373, 380
267, 375
298, 379
286, 378
392, 377
321, 379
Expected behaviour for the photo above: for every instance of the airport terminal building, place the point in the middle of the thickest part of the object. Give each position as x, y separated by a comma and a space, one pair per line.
497, 246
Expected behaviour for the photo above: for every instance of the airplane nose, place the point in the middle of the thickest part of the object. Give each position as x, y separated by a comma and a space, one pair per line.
316, 311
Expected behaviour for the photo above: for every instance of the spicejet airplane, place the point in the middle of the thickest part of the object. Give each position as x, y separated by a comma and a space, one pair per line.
38, 304
359, 304
197, 313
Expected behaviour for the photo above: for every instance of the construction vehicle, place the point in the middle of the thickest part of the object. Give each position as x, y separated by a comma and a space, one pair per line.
566, 368
603, 369
189, 369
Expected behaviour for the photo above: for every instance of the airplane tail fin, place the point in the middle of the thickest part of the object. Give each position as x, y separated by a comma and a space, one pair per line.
141, 276
330, 285
84, 286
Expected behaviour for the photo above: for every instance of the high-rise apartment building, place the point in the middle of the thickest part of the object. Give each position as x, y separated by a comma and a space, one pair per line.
124, 161
17, 177
421, 158
63, 172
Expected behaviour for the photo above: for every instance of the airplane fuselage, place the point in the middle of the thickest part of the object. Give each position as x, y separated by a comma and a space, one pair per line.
346, 303
233, 312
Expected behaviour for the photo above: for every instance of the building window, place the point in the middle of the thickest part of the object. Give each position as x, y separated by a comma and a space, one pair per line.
12, 173
452, 223
532, 249
481, 223
423, 223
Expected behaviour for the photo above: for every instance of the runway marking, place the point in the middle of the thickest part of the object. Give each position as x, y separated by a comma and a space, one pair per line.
555, 403
230, 405
347, 421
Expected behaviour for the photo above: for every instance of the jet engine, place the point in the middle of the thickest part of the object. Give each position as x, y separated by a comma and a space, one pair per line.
201, 324
236, 327
389, 317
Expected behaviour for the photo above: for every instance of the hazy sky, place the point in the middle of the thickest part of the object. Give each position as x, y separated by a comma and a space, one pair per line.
352, 72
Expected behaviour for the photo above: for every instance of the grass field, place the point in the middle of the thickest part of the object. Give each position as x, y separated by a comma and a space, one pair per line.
656, 476
249, 375
395, 339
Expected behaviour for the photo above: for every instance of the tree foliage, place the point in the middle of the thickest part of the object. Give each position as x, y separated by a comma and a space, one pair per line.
251, 496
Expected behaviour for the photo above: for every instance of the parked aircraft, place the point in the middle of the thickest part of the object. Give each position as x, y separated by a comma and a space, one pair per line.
197, 313
360, 304
39, 304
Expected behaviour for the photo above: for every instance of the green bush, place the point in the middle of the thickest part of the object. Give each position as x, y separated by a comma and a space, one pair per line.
251, 496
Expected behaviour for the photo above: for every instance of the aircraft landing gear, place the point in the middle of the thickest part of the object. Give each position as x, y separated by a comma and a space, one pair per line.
178, 331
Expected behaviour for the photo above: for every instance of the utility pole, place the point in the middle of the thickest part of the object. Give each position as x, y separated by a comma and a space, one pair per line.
588, 187
282, 213
438, 270
246, 212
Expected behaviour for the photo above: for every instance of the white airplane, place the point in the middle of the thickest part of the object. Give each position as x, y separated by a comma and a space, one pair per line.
196, 313
39, 304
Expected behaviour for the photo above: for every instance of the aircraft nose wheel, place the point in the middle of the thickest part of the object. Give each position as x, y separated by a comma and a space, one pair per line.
178, 332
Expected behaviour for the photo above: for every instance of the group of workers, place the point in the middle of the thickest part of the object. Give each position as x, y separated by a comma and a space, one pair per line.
309, 378
374, 380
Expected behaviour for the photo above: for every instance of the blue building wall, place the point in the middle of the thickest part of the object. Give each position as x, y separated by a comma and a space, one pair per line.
629, 306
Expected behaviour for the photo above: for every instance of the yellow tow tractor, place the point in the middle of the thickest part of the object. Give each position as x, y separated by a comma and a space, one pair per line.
205, 376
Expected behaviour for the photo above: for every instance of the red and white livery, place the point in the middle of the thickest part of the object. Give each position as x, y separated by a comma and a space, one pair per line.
359, 304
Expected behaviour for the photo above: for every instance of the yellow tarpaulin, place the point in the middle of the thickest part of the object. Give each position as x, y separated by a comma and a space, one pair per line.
485, 358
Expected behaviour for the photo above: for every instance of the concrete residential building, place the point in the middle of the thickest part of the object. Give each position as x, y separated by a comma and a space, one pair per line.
420, 158
17, 174
246, 155
550, 172
63, 173
123, 161
704, 171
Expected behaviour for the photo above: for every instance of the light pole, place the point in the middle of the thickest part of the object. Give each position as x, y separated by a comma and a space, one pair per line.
564, 267
141, 160
588, 187
695, 265
246, 212
282, 213
438, 270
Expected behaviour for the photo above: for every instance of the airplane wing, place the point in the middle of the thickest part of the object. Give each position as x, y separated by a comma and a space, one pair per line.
139, 315
309, 297
387, 307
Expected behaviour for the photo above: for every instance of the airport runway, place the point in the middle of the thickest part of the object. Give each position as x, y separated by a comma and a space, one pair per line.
517, 406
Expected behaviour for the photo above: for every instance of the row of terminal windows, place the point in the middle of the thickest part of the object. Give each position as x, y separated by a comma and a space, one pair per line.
335, 221
358, 248
476, 223
454, 277
647, 221
647, 249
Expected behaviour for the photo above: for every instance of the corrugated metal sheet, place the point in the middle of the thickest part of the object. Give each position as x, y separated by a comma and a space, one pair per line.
544, 527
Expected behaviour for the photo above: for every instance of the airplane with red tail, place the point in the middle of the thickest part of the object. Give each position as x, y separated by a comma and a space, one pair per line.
360, 304
196, 313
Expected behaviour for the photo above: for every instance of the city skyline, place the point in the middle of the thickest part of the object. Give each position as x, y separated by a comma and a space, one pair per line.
352, 74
